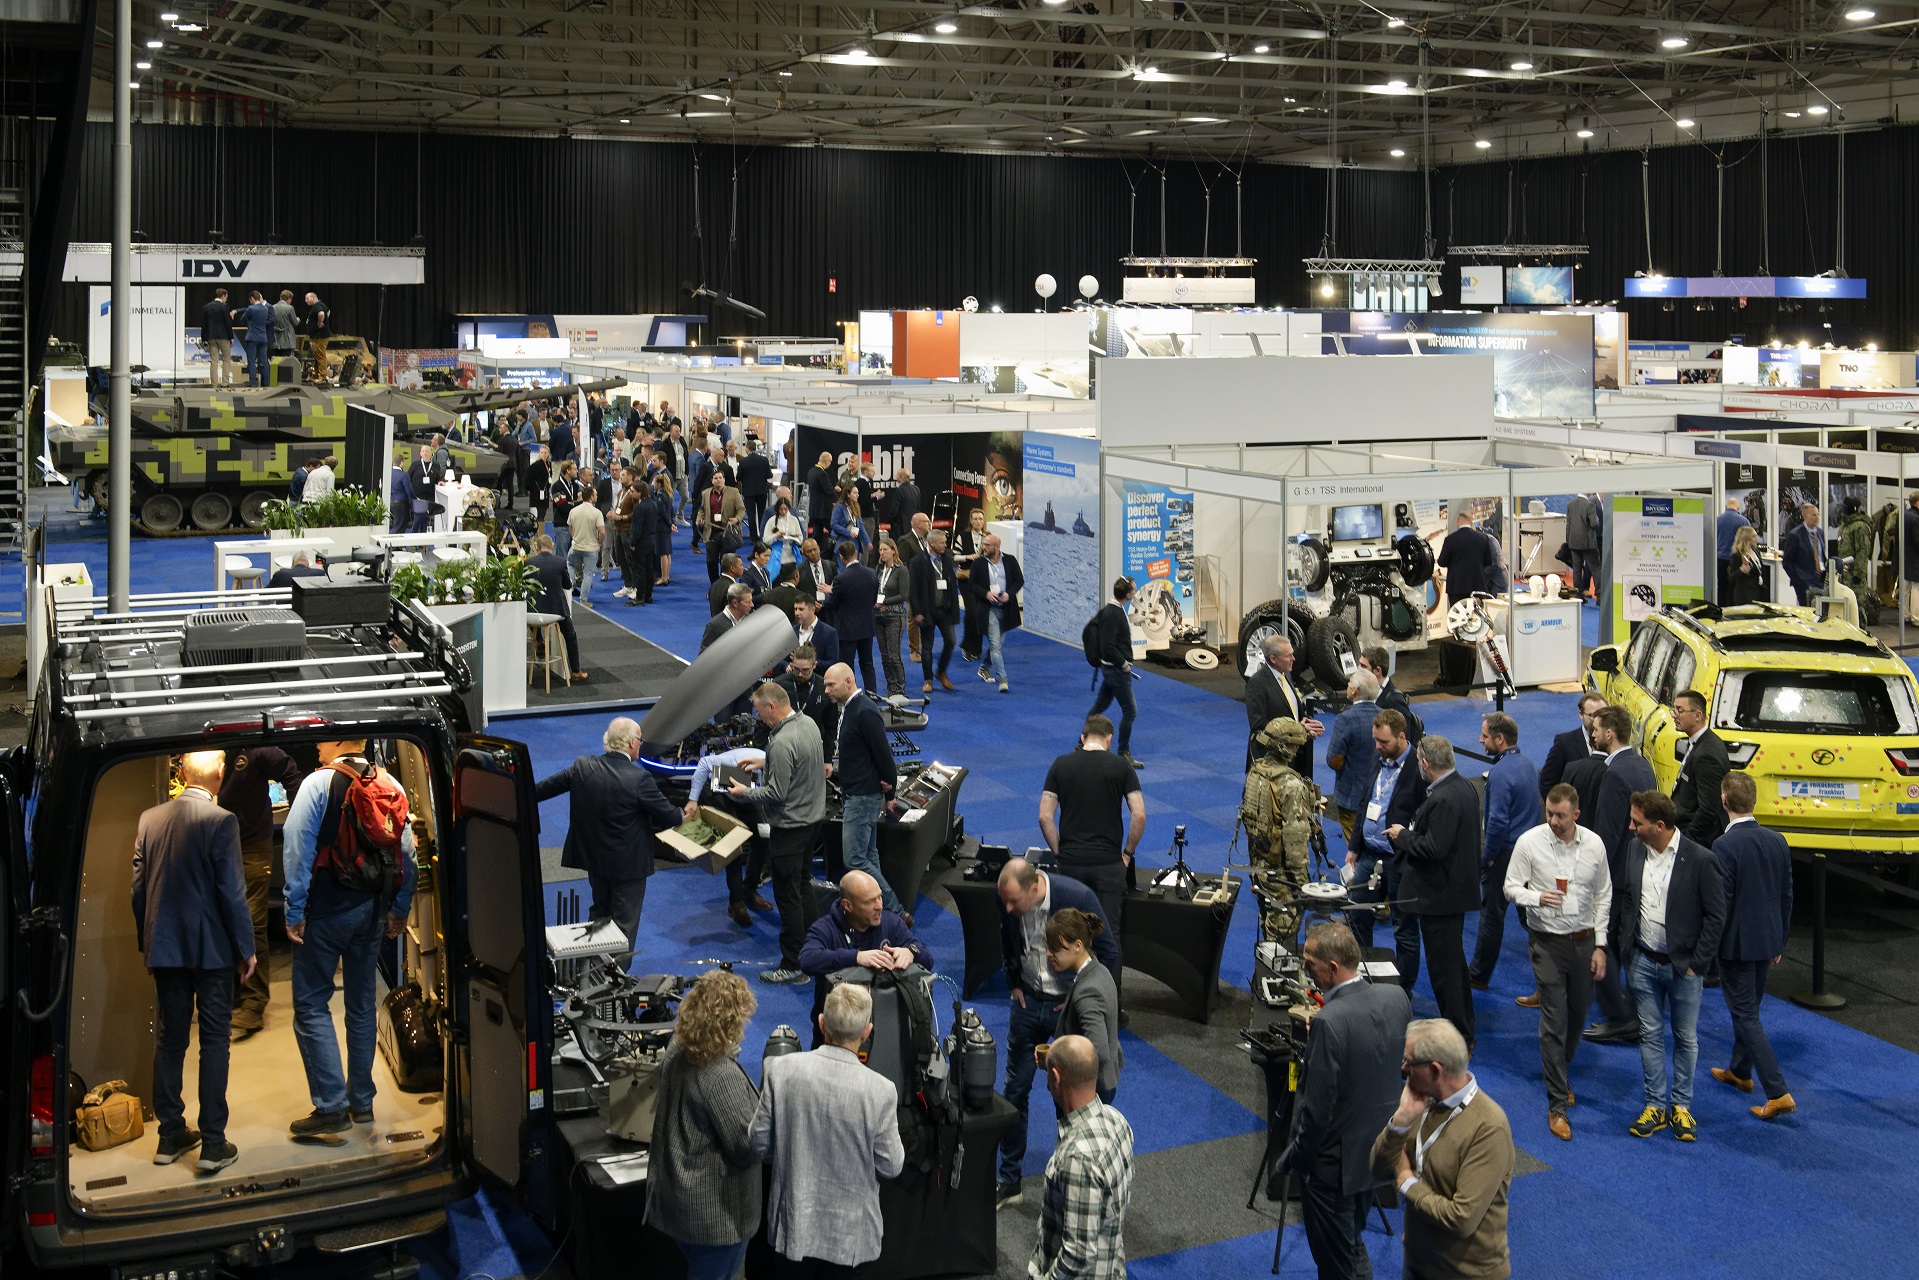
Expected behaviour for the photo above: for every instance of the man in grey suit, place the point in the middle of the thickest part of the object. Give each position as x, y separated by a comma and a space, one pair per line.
1350, 1088
190, 917
615, 807
830, 1129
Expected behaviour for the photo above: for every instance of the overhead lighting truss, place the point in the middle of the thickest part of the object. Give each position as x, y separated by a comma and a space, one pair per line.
1519, 251
1162, 265
1373, 266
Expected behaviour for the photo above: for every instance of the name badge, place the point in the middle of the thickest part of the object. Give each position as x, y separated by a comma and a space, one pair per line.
939, 586
1372, 812
819, 595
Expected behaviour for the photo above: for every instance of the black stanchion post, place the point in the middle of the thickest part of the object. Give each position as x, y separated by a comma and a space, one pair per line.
1819, 997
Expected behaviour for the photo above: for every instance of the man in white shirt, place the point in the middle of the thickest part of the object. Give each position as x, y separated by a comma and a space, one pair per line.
1558, 871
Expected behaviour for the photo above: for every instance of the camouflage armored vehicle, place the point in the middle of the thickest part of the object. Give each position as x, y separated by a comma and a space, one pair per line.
215, 457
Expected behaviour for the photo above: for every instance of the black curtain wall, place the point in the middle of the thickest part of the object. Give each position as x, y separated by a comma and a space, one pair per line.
524, 224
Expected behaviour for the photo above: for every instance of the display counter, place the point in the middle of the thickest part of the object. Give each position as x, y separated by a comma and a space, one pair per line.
1545, 638
907, 849
1162, 935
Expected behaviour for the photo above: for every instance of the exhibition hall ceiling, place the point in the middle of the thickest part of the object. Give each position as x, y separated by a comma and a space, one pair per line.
1349, 78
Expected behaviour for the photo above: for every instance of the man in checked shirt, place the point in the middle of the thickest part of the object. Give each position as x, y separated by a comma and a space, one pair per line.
1089, 1180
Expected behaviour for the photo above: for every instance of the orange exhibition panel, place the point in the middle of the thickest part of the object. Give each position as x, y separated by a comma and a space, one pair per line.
926, 344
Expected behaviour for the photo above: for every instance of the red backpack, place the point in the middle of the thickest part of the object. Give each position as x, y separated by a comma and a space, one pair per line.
370, 811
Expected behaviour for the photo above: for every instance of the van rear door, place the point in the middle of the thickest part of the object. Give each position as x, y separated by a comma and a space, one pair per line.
14, 1129
503, 1016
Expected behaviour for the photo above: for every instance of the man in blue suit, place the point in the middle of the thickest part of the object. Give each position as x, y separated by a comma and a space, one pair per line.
190, 917
1028, 897
1804, 555
1394, 794
856, 593
1627, 772
616, 808
1756, 866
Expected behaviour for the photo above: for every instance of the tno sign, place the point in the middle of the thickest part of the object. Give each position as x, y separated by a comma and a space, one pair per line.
213, 268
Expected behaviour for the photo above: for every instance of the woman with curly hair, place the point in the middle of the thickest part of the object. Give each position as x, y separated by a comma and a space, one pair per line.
703, 1178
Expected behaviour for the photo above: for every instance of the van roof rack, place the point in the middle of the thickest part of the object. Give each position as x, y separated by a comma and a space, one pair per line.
135, 665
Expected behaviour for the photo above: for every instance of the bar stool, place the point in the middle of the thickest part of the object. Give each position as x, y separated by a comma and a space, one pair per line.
546, 649
242, 572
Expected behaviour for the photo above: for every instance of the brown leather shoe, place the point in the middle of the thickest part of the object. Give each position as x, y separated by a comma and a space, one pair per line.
1527, 1002
1724, 1076
1560, 1128
1779, 1106
758, 903
579, 677
740, 916
945, 683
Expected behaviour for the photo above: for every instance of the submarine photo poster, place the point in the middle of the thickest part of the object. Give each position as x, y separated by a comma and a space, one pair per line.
1158, 543
1058, 485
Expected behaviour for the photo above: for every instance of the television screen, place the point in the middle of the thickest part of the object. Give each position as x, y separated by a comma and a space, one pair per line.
1539, 286
1359, 524
1482, 286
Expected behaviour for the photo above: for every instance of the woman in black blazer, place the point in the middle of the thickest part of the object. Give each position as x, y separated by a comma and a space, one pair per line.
891, 613
1092, 1003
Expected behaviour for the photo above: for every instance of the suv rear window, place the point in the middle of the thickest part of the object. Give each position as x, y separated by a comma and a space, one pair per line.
1816, 702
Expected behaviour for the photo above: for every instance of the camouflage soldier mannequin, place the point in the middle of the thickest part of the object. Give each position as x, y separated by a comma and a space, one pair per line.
1278, 809
1855, 540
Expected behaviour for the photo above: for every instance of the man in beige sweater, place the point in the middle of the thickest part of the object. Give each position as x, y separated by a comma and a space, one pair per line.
1449, 1151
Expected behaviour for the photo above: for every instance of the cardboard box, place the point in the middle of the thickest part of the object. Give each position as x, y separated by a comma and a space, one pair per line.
725, 850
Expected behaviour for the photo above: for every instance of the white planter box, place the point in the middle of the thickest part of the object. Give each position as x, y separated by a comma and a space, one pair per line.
500, 663
345, 538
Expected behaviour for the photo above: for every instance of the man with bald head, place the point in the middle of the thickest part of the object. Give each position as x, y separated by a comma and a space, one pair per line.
1089, 1179
859, 930
861, 760
614, 809
191, 921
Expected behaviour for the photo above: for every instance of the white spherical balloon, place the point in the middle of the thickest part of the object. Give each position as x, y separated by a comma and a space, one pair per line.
1045, 286
1088, 286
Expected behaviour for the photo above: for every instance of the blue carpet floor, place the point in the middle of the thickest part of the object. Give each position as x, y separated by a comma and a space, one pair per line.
1821, 1193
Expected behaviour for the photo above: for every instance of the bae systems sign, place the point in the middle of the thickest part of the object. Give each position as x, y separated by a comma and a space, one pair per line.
269, 267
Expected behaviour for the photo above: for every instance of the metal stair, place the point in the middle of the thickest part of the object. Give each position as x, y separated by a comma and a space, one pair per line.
13, 369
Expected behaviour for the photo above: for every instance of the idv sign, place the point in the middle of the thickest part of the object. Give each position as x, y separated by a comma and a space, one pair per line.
268, 266
213, 268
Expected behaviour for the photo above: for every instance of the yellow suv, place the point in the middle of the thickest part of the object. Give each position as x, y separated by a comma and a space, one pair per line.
1824, 716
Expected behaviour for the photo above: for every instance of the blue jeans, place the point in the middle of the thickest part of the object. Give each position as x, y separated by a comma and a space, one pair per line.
1030, 1025
1362, 922
712, 1261
350, 940
859, 841
992, 659
562, 542
1116, 685
579, 567
1659, 991
177, 992
256, 362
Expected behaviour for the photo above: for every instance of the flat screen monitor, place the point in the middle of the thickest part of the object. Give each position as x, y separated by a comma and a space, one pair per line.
1359, 524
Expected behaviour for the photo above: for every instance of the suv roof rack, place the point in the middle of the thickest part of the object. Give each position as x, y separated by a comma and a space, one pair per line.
104, 665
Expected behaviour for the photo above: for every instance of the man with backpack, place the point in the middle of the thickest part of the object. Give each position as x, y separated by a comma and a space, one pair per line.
1108, 642
350, 873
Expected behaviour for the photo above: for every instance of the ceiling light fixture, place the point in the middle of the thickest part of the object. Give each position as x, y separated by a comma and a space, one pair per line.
190, 27
1684, 122
713, 97
1200, 120
1674, 41
1520, 64
156, 44
624, 120
1816, 110
946, 27
169, 17
1261, 48
1395, 84
143, 66
1585, 133
1860, 15
1395, 23
786, 73
1146, 73
1792, 115
1483, 144
1398, 153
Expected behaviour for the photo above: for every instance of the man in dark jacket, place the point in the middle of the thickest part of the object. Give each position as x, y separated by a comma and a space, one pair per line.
1627, 772
753, 572
902, 504
302, 566
1702, 767
642, 544
1583, 535
730, 568
1028, 898
862, 763
1803, 555
855, 595
756, 481
806, 690
1113, 650
1394, 794
216, 335
1570, 747
1374, 658
1272, 691
816, 577
859, 929
1347, 1093
699, 478
191, 923
246, 793
1470, 564
809, 630
614, 807
1909, 541
933, 602
1672, 908
822, 488
1440, 879
992, 586
1756, 867
556, 597
785, 591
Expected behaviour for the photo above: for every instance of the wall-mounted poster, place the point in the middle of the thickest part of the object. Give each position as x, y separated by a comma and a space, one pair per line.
1060, 559
1157, 554
988, 474
1659, 555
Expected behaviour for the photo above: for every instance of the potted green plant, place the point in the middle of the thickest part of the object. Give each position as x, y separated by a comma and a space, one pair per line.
280, 517
349, 517
500, 590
